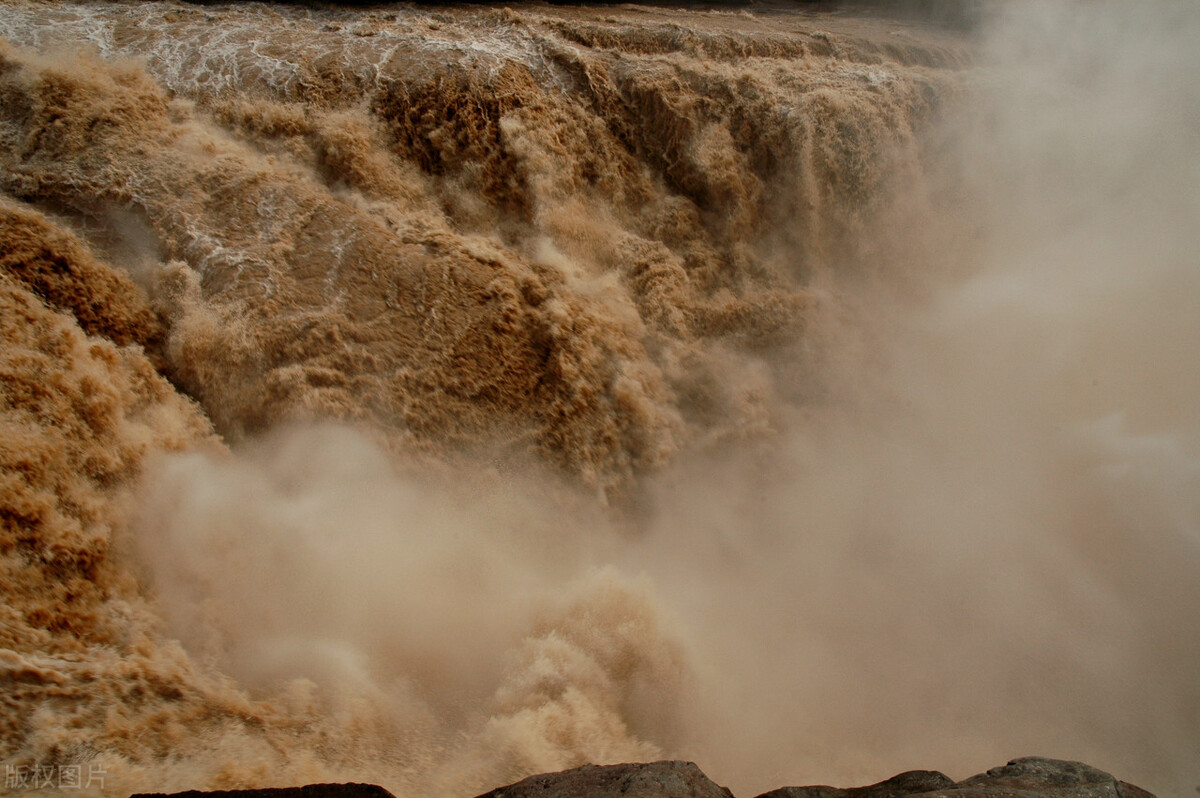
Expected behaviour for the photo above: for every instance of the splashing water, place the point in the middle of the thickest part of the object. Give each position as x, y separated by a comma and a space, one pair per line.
434, 396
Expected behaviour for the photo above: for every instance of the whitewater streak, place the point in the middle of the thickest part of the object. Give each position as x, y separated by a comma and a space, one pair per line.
433, 396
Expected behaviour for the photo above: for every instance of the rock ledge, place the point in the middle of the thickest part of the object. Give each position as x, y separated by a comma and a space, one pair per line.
1028, 777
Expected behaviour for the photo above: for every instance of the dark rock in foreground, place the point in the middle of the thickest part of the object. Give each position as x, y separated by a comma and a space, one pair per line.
914, 782
1030, 777
1048, 777
311, 791
650, 780
1021, 778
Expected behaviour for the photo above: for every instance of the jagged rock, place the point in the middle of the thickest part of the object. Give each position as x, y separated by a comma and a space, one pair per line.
1020, 778
1030, 777
649, 780
310, 791
914, 782
1050, 777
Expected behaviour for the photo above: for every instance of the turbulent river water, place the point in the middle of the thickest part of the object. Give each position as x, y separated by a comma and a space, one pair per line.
435, 395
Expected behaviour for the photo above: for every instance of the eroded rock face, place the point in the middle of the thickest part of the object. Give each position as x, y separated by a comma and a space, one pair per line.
1020, 778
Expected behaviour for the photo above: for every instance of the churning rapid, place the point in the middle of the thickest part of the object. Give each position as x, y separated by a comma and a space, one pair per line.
432, 396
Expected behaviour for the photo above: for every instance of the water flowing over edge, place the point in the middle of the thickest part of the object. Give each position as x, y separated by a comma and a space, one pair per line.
433, 396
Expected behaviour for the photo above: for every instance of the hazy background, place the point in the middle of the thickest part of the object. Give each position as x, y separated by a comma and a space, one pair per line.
980, 542
944, 514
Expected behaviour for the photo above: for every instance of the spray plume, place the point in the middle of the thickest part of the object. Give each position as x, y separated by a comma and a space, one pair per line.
436, 396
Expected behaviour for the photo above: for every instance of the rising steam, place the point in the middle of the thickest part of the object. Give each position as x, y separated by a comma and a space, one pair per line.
438, 396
